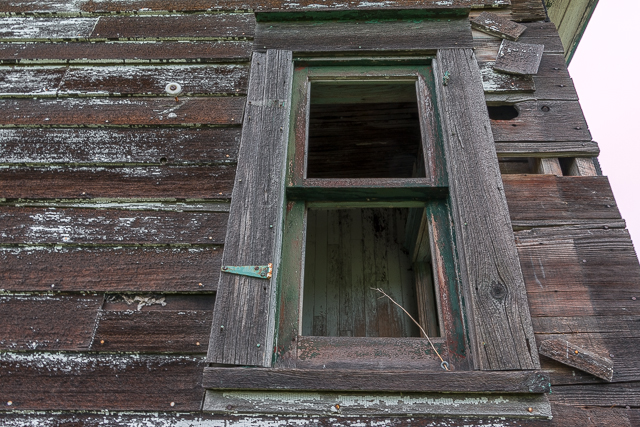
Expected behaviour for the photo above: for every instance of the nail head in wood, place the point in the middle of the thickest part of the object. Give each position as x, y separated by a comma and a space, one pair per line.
569, 354
498, 26
518, 58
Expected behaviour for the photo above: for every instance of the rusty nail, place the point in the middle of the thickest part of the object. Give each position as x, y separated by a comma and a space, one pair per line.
197, 342
173, 404
101, 341
576, 352
199, 284
256, 268
530, 409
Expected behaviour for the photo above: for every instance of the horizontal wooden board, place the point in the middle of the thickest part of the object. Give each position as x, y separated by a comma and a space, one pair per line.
528, 10
61, 6
620, 326
58, 381
547, 149
107, 146
47, 322
109, 269
151, 182
548, 198
543, 121
494, 82
313, 36
561, 350
375, 380
125, 52
536, 33
122, 111
159, 331
120, 80
615, 394
94, 226
187, 27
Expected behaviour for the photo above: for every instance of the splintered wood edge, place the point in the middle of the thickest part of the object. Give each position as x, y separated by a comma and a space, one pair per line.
569, 354
498, 26
227, 378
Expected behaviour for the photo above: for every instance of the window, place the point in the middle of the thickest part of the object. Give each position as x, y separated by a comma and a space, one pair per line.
367, 209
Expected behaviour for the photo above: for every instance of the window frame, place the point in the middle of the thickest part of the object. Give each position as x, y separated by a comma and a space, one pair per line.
430, 193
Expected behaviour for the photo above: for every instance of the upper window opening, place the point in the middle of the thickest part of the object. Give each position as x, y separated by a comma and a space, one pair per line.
364, 129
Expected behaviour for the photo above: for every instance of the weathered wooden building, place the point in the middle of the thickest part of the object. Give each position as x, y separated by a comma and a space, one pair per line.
222, 213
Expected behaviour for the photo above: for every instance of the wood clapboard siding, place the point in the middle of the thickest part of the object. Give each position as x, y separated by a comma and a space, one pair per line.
119, 80
110, 269
159, 182
47, 322
104, 146
63, 381
125, 52
179, 27
115, 227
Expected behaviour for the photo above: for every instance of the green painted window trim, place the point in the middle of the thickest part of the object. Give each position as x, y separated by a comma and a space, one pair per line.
433, 196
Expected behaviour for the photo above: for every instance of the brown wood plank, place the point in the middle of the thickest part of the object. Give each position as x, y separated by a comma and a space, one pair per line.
547, 149
163, 331
498, 26
527, 10
109, 269
570, 354
607, 395
518, 58
245, 307
310, 36
209, 26
123, 111
543, 121
87, 226
116, 52
501, 329
494, 82
55, 381
379, 381
103, 146
166, 182
548, 198
48, 322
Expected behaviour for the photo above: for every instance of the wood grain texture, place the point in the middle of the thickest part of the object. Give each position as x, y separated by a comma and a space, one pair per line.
48, 322
96, 269
494, 82
547, 149
192, 27
58, 381
122, 112
559, 121
311, 36
153, 182
245, 307
159, 331
570, 354
612, 395
543, 33
547, 198
117, 52
527, 10
103, 80
92, 226
518, 58
379, 381
497, 25
501, 331
121, 146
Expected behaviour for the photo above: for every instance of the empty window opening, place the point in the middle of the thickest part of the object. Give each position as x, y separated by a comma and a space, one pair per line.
351, 251
517, 165
502, 112
364, 129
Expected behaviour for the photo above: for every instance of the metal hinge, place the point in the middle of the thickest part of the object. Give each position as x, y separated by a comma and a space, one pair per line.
259, 271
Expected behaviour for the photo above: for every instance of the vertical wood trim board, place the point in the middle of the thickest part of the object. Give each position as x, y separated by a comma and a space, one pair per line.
244, 313
498, 312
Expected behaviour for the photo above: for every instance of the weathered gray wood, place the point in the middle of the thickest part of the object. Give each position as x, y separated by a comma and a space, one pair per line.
363, 405
493, 82
563, 351
527, 10
547, 149
375, 380
548, 165
518, 58
500, 324
309, 36
544, 33
496, 25
244, 313
581, 166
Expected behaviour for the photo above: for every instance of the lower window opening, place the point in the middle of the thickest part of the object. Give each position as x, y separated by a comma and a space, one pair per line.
350, 253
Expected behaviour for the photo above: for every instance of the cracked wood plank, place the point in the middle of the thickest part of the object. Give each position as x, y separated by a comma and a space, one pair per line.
518, 58
498, 26
570, 354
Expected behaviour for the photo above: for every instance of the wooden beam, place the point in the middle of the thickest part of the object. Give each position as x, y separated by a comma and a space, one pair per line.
375, 380
244, 314
498, 26
563, 351
547, 149
498, 313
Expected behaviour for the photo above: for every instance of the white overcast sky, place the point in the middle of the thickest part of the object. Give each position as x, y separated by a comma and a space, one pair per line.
606, 72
